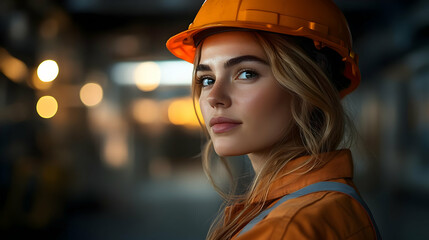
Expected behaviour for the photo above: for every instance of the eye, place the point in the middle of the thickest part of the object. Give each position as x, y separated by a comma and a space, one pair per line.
205, 81
247, 74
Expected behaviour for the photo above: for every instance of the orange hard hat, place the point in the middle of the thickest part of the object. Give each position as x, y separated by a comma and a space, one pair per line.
320, 20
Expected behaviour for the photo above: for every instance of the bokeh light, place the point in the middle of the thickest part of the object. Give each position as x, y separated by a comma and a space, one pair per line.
47, 106
181, 112
12, 68
37, 84
146, 111
147, 76
116, 150
48, 70
91, 94
125, 73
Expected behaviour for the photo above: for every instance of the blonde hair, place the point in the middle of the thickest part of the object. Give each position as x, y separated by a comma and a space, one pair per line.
318, 123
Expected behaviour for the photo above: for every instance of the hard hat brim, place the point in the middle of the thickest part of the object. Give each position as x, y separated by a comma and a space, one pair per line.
183, 46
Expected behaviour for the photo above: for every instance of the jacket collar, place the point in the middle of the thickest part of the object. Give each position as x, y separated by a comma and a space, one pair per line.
332, 165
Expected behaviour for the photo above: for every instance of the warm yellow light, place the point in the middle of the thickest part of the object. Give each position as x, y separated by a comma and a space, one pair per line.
47, 106
116, 150
147, 76
12, 68
48, 70
37, 84
91, 94
145, 111
181, 112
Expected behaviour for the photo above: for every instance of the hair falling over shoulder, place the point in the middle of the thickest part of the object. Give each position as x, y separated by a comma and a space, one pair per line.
319, 122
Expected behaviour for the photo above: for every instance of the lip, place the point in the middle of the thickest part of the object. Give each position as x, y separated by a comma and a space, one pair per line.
223, 124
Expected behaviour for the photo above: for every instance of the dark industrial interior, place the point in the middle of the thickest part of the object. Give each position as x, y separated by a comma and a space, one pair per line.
126, 165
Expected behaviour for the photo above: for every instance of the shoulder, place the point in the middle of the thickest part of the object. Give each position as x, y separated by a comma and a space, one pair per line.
320, 215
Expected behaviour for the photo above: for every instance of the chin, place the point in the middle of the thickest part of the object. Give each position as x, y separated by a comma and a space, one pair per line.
228, 151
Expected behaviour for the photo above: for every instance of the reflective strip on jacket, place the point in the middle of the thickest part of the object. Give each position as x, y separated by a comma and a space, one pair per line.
319, 215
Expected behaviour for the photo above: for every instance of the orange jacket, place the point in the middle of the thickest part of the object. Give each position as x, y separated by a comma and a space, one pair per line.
319, 215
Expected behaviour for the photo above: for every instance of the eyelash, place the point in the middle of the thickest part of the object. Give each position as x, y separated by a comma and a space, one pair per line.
251, 71
199, 80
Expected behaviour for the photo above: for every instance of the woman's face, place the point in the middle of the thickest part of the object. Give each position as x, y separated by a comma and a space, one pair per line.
245, 109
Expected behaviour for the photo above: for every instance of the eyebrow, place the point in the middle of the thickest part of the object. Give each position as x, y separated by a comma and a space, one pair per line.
233, 61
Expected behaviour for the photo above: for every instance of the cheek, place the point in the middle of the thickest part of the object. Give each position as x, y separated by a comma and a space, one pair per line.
268, 111
266, 102
205, 109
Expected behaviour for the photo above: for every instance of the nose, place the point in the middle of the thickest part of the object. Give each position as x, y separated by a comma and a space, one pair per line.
219, 96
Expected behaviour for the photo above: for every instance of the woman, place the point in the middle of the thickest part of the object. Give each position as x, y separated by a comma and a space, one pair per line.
269, 77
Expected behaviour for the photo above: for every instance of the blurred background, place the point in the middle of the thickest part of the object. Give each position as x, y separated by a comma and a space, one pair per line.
98, 139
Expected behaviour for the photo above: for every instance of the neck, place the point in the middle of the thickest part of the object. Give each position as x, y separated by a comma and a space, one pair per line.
258, 160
